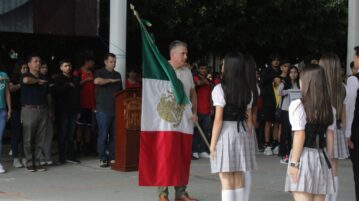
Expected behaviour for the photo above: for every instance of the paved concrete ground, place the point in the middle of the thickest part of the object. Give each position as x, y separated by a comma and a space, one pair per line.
88, 182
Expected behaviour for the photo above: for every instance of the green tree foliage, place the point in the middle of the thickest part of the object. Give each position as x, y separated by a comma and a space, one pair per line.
295, 28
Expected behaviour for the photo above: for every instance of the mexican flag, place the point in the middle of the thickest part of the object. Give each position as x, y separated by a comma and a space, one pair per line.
166, 126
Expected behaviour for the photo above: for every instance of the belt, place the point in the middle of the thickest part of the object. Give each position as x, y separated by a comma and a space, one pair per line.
327, 159
38, 107
317, 145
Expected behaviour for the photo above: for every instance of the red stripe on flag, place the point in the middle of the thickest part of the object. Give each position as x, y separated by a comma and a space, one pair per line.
165, 158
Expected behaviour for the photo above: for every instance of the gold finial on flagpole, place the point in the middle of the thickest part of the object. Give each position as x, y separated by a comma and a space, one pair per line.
134, 11
138, 16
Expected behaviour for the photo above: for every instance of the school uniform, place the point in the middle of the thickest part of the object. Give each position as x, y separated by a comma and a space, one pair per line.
286, 131
315, 173
352, 125
233, 150
252, 148
341, 150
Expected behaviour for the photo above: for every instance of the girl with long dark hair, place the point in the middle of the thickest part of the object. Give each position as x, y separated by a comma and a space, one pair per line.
291, 82
309, 174
232, 125
332, 68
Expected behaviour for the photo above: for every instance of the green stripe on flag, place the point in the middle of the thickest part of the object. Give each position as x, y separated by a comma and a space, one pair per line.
155, 66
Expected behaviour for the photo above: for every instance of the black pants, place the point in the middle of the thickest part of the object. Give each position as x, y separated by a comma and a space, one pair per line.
67, 123
286, 134
354, 156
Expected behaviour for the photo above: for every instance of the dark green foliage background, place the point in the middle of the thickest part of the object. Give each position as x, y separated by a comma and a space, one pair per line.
295, 28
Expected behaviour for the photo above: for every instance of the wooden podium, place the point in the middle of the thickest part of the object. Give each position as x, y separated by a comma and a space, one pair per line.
127, 129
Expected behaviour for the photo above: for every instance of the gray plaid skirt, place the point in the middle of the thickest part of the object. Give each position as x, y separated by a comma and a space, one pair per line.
252, 149
233, 150
314, 177
341, 150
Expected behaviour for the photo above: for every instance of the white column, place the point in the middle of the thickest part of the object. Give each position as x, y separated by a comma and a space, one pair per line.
118, 21
353, 30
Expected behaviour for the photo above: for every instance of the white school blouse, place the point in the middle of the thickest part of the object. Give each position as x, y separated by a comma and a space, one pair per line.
350, 98
298, 118
218, 97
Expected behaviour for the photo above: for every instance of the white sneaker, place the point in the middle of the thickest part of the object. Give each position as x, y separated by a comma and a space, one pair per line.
2, 170
268, 151
276, 150
204, 155
195, 155
17, 163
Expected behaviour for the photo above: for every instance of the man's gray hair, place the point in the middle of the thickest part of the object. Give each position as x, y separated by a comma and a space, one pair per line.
177, 43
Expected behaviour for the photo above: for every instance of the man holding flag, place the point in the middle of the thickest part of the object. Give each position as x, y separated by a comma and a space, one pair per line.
169, 108
178, 58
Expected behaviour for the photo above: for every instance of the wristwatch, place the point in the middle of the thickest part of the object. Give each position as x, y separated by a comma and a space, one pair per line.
294, 164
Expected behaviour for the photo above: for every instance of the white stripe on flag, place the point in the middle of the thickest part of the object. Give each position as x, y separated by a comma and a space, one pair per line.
152, 91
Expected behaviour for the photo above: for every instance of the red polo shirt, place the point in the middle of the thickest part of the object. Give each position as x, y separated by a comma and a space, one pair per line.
87, 93
203, 97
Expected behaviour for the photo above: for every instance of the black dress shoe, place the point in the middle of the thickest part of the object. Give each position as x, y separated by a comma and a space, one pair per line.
40, 168
30, 168
73, 160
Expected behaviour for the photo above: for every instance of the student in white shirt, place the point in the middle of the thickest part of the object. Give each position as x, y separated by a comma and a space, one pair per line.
232, 126
330, 62
292, 82
309, 174
352, 120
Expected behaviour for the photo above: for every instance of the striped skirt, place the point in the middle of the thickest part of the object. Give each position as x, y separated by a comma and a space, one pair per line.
341, 150
252, 149
233, 150
314, 176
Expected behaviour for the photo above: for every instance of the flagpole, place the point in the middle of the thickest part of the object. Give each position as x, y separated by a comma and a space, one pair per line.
135, 12
202, 134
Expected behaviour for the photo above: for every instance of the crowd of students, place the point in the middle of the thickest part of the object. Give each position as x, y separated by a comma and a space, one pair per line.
303, 115
75, 106
308, 116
